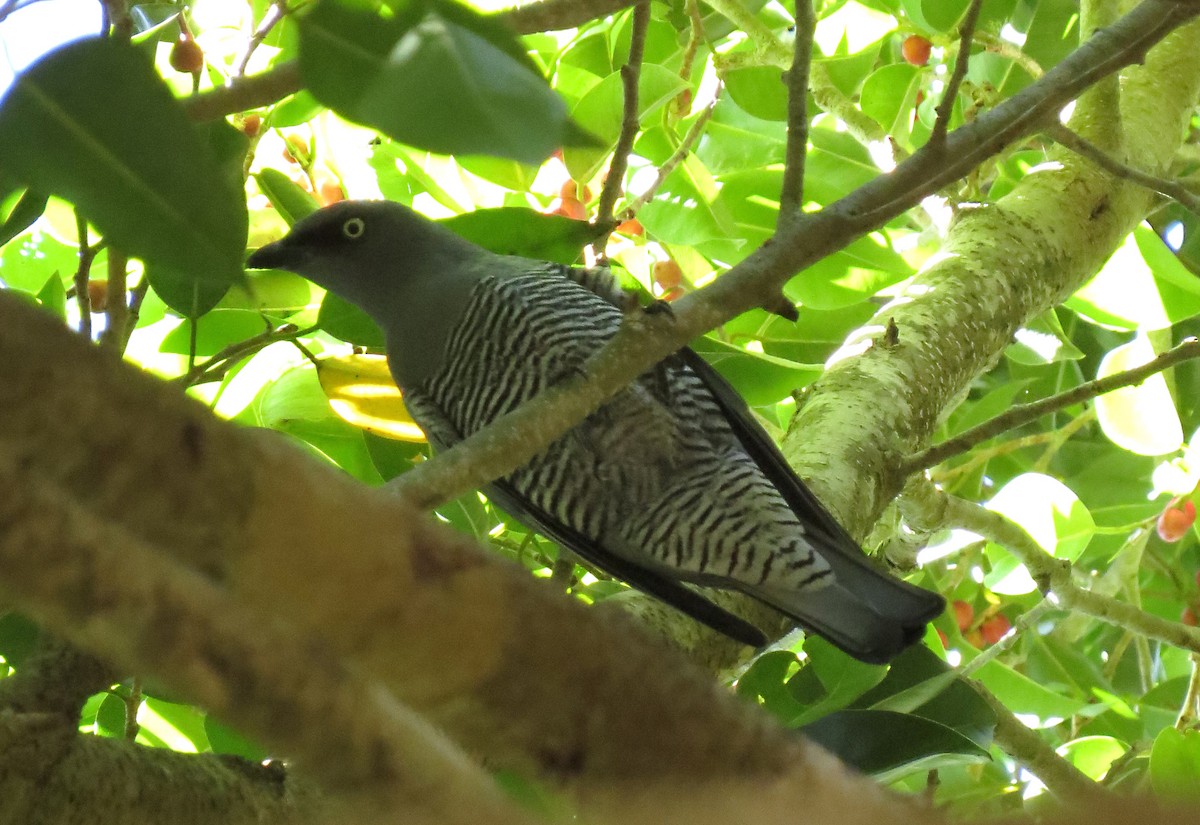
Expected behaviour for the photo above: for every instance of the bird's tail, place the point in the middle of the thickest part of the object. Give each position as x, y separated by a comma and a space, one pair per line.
867, 613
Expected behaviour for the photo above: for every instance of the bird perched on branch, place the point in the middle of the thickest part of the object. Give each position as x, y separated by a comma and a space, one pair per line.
671, 481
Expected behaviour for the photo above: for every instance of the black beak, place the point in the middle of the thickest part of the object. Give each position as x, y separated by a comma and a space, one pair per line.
277, 255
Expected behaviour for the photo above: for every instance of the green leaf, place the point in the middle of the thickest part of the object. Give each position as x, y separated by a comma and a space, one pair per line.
214, 331
290, 201
53, 296
1175, 765
889, 95
1042, 341
19, 211
1141, 419
886, 744
523, 232
127, 156
760, 379
1142, 286
759, 90
601, 108
429, 78
344, 320
843, 678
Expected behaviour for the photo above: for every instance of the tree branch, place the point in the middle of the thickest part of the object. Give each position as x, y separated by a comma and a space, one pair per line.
152, 615
1022, 414
791, 196
945, 107
1163, 186
630, 72
513, 439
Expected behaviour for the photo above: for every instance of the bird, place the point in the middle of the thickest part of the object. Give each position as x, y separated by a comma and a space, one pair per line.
671, 483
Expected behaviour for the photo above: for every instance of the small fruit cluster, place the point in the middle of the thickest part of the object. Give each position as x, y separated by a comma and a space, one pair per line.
983, 633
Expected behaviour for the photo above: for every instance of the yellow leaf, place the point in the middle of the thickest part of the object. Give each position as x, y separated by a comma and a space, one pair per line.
361, 391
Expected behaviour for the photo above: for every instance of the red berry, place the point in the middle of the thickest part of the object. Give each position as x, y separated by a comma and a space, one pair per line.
964, 615
1175, 519
1188, 617
915, 49
673, 294
942, 636
186, 55
667, 275
993, 629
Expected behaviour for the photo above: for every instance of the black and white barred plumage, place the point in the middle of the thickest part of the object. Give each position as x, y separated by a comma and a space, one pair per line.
670, 480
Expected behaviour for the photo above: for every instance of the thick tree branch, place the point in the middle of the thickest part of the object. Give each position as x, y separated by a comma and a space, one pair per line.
104, 588
633, 731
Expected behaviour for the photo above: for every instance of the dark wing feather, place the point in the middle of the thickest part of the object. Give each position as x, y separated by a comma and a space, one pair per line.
442, 433
887, 596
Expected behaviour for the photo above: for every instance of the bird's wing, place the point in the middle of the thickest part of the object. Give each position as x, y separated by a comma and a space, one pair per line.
442, 433
888, 596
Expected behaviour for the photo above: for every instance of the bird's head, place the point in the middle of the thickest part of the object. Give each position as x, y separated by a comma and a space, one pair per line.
362, 250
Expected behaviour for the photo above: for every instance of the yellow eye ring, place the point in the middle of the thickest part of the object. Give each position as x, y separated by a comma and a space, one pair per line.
354, 228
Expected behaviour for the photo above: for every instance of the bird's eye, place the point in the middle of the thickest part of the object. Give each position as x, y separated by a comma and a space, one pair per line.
354, 228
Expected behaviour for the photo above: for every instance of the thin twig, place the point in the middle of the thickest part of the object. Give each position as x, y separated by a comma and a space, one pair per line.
1025, 413
630, 72
925, 506
86, 255
1060, 777
998, 45
1027, 620
1190, 708
681, 152
214, 368
271, 18
945, 107
1085, 148
133, 703
791, 195
137, 296
116, 307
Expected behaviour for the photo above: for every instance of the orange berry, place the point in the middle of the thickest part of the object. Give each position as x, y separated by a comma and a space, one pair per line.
572, 190
251, 124
964, 615
941, 635
330, 192
186, 55
98, 295
297, 151
673, 294
915, 49
570, 208
1188, 617
1175, 519
667, 275
631, 227
993, 629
